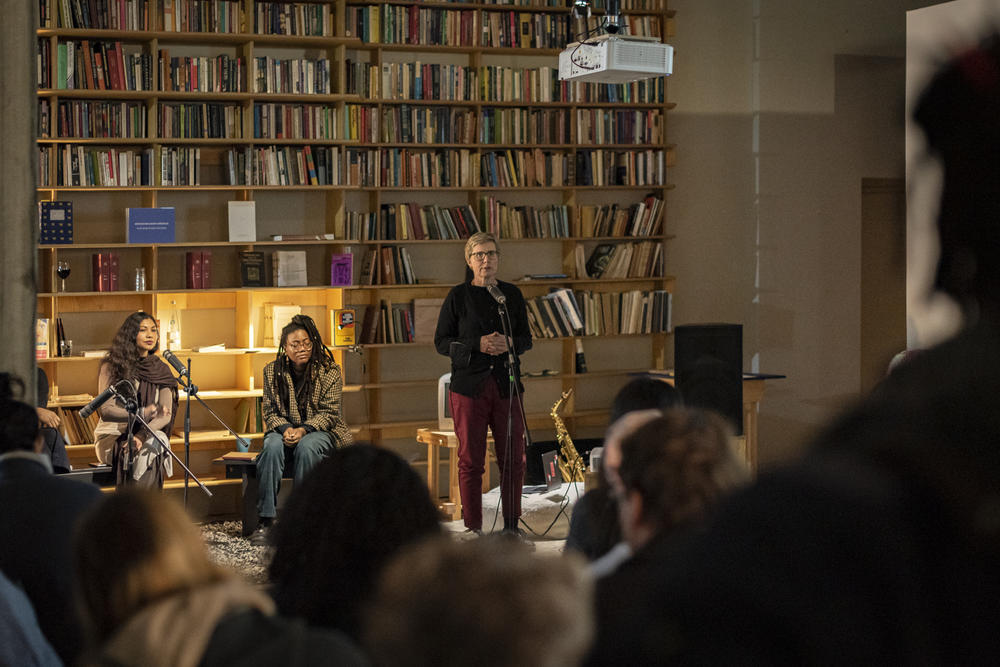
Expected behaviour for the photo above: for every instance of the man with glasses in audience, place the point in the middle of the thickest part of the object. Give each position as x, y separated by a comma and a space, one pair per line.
302, 414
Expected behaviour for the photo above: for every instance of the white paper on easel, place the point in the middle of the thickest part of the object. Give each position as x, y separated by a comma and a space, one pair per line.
243, 221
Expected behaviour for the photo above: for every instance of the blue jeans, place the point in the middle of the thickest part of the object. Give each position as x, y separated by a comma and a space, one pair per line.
274, 457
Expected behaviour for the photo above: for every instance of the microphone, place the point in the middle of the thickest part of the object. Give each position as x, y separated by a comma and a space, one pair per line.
175, 362
496, 293
101, 399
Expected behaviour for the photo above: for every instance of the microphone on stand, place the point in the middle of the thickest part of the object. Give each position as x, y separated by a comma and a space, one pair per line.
101, 399
175, 362
496, 293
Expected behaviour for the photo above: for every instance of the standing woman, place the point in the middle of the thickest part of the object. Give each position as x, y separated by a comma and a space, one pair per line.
470, 332
138, 457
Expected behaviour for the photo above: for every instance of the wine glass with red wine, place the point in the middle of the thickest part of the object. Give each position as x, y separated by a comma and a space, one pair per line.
62, 270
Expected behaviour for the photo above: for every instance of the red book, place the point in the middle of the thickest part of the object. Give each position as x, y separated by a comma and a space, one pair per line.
98, 279
193, 259
88, 66
418, 229
206, 269
113, 269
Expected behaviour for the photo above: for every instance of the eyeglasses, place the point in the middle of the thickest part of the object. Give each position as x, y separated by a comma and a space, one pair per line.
481, 256
303, 345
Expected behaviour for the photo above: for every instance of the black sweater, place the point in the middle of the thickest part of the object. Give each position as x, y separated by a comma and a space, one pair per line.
468, 314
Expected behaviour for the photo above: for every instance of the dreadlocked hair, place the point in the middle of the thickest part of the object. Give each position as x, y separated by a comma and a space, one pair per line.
123, 357
321, 356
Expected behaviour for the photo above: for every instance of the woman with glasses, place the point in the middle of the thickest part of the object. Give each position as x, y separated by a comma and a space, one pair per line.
471, 333
301, 411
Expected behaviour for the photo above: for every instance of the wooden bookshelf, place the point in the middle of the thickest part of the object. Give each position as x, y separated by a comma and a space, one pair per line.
386, 384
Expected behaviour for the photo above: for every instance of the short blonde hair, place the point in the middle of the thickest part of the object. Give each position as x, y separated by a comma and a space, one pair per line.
480, 238
133, 547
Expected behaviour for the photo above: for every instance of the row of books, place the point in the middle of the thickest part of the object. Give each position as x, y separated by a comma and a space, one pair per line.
89, 14
411, 81
644, 218
284, 165
564, 312
388, 323
608, 167
638, 25
198, 269
412, 221
75, 429
97, 167
206, 74
89, 119
527, 30
388, 24
294, 121
201, 15
388, 265
401, 167
95, 66
524, 168
286, 18
408, 124
524, 222
642, 259
524, 126
296, 76
611, 126
200, 120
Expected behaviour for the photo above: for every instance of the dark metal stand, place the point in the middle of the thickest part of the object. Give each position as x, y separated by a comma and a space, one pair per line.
513, 369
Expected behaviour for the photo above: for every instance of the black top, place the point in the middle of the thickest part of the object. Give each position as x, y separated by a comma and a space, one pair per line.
468, 314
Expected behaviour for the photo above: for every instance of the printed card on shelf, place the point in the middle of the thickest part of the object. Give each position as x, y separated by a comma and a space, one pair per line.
150, 225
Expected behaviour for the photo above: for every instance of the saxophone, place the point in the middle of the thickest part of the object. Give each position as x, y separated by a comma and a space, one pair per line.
571, 465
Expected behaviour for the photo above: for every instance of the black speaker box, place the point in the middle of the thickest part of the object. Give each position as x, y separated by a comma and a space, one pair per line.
708, 368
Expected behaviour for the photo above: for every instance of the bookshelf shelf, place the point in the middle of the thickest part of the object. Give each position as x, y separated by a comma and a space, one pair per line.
231, 313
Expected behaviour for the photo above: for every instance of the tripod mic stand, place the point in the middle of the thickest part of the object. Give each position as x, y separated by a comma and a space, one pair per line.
190, 389
132, 407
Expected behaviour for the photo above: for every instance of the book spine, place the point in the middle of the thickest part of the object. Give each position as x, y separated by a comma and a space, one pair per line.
206, 269
112, 271
193, 264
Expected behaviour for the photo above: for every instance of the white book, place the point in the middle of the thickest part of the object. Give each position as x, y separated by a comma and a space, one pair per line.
243, 221
289, 268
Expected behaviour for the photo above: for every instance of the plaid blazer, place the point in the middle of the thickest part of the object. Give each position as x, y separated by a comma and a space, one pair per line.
323, 410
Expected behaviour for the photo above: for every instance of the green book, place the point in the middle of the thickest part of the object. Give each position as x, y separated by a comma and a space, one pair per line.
61, 66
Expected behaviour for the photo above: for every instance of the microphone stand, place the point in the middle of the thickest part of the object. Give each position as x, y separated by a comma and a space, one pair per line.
187, 437
513, 366
132, 407
190, 389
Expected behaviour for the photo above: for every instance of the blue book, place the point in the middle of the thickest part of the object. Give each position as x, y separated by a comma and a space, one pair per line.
150, 225
55, 219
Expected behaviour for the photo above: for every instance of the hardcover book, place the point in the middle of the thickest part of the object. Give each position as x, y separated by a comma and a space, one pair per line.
150, 225
289, 268
251, 268
55, 220
343, 327
243, 221
341, 269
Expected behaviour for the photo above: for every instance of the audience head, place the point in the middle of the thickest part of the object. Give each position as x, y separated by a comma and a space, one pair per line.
18, 420
618, 430
673, 469
644, 393
958, 113
352, 512
133, 548
486, 602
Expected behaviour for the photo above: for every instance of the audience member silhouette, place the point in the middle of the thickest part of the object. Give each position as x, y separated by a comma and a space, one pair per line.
882, 546
151, 596
487, 602
37, 513
674, 467
53, 444
354, 511
594, 528
21, 640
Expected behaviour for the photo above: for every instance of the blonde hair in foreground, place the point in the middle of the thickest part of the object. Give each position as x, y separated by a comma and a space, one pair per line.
133, 548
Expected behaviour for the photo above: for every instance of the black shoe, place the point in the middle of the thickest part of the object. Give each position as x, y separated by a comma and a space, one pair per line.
261, 536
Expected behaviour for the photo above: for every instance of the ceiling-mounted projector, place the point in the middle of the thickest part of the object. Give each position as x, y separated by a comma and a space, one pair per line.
615, 59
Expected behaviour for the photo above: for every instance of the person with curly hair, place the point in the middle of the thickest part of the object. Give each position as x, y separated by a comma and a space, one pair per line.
353, 512
302, 414
137, 454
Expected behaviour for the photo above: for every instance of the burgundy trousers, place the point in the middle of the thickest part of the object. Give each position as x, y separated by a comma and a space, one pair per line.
472, 416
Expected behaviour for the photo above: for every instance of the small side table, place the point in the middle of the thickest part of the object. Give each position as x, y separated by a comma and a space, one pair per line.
436, 441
